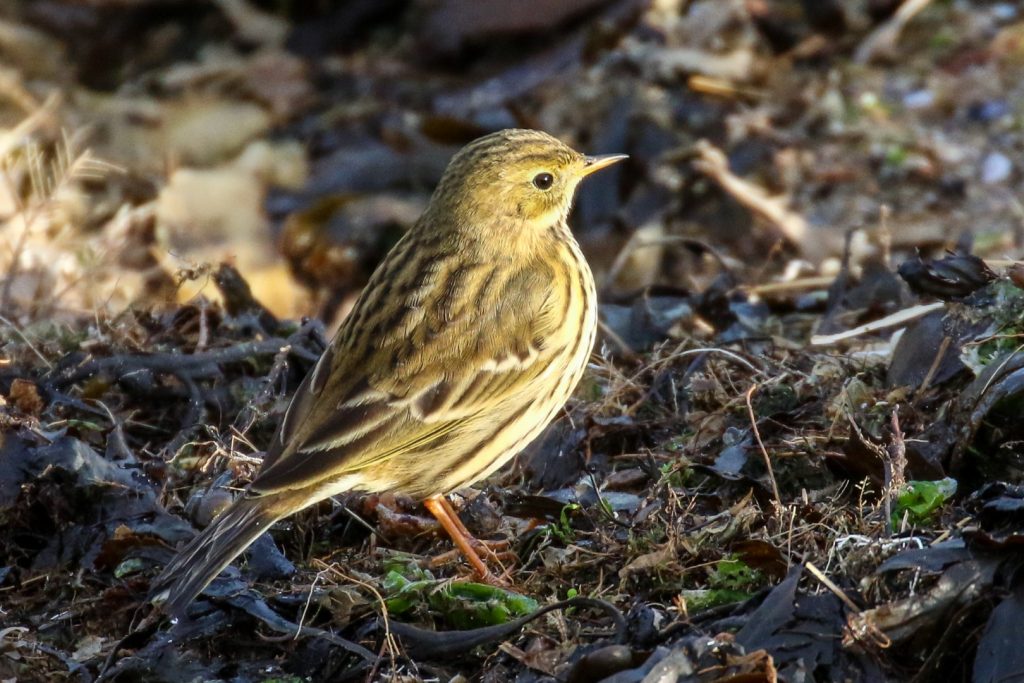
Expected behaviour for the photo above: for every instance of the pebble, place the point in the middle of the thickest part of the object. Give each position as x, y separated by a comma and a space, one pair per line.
919, 99
987, 111
996, 168
1004, 11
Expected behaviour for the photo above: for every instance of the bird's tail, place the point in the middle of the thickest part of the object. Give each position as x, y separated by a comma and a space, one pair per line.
206, 555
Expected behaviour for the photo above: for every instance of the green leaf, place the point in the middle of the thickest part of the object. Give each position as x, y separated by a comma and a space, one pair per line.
129, 567
85, 425
563, 530
700, 600
471, 605
920, 500
403, 594
461, 605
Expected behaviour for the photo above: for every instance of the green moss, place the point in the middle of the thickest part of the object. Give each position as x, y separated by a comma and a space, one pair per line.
734, 574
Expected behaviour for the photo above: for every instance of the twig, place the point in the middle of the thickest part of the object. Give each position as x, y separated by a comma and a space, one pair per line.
898, 452
934, 368
725, 352
760, 443
712, 162
256, 607
710, 85
204, 325
880, 453
817, 282
192, 418
998, 371
194, 365
885, 235
946, 533
116, 443
248, 414
305, 607
389, 638
883, 39
619, 341
436, 645
25, 339
887, 496
894, 467
836, 590
898, 318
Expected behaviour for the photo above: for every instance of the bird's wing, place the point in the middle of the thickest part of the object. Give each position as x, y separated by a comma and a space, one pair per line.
398, 379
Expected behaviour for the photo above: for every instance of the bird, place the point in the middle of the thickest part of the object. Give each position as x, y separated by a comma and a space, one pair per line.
466, 341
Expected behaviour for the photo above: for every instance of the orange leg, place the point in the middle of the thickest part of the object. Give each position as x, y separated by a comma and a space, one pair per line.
447, 505
442, 510
488, 549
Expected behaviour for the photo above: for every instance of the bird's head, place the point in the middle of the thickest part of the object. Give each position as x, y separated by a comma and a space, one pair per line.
514, 180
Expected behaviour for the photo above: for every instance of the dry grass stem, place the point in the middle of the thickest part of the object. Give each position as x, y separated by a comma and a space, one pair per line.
712, 162
764, 451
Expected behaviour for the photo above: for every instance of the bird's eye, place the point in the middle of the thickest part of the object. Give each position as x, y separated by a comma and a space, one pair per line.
543, 181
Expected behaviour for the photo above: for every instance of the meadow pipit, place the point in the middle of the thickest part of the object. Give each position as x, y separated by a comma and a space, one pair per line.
466, 341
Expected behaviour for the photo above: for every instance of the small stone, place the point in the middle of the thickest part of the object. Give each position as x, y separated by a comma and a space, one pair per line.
210, 505
986, 111
996, 168
1004, 11
919, 99
625, 480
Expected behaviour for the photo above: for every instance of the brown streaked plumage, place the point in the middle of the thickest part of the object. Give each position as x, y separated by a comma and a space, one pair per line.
466, 341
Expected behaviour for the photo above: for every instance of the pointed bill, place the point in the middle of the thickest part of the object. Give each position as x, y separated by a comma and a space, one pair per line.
596, 163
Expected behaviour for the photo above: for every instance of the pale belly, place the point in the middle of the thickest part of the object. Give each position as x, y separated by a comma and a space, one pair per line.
482, 443
533, 409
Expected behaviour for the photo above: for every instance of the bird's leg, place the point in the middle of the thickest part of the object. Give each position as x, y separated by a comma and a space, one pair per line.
453, 513
445, 514
486, 548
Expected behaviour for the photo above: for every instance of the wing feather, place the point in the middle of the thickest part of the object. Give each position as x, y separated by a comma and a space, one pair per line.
370, 400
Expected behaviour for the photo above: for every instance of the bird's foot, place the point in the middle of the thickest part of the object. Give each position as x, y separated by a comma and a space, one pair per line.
470, 547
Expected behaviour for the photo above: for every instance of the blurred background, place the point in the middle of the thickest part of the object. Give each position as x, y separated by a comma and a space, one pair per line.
143, 140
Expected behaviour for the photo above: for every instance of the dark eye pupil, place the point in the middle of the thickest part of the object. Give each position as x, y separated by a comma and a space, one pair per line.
543, 181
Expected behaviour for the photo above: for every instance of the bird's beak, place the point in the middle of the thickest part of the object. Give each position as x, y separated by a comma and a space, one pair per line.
591, 164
